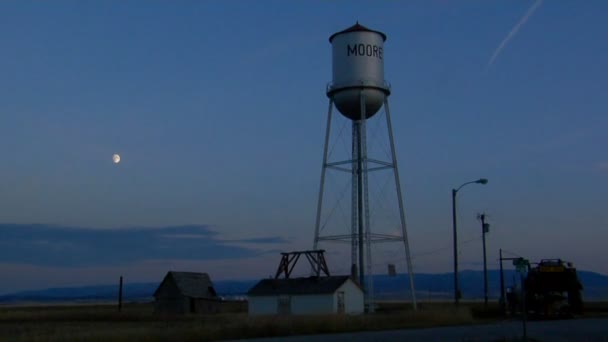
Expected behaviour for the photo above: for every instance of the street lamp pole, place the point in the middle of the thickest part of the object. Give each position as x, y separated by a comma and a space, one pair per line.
457, 293
456, 286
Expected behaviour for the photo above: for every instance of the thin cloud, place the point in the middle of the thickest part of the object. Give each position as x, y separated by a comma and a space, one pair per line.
514, 31
603, 166
48, 245
262, 240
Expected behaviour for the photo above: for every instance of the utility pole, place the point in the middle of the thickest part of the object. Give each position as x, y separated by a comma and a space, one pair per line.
523, 306
523, 265
485, 228
502, 285
120, 295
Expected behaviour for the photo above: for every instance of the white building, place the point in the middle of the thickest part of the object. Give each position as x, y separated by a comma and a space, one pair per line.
305, 296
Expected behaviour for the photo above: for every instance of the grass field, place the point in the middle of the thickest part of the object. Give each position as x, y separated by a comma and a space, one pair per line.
138, 322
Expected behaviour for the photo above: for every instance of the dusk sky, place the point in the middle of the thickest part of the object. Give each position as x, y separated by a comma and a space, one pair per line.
218, 110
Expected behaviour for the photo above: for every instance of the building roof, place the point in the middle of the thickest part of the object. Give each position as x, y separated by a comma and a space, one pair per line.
357, 28
190, 284
298, 286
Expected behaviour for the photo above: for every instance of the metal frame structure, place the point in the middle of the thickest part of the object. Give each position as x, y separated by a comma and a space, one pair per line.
361, 236
315, 258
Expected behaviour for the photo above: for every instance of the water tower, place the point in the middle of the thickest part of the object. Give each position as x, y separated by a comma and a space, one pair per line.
358, 90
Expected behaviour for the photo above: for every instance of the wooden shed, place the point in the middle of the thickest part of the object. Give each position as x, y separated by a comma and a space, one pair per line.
306, 296
186, 292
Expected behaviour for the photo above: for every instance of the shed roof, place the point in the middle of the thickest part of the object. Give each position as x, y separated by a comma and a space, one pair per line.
190, 284
298, 286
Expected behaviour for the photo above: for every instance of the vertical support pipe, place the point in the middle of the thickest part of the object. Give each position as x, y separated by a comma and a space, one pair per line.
360, 218
454, 228
323, 168
353, 210
120, 295
368, 233
408, 257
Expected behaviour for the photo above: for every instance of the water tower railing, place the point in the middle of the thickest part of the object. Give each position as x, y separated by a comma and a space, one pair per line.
331, 86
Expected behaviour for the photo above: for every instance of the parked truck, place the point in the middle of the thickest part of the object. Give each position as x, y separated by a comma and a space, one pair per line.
552, 288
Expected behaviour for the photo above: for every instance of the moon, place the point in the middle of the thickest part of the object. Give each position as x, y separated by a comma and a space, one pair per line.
116, 158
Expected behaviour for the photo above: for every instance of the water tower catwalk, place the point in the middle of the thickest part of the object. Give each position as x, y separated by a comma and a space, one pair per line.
358, 90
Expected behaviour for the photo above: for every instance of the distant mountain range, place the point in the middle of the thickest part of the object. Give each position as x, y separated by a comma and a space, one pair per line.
428, 286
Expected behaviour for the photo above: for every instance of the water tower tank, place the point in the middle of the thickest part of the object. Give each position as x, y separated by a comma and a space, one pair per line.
358, 67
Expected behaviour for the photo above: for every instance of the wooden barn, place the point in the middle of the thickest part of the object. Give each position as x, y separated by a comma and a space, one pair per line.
186, 292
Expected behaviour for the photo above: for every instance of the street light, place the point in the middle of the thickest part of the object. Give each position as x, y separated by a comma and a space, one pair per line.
482, 181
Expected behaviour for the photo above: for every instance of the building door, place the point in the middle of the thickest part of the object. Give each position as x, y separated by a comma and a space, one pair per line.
192, 305
341, 302
284, 304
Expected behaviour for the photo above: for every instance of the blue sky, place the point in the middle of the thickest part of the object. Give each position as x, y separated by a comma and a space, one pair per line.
218, 110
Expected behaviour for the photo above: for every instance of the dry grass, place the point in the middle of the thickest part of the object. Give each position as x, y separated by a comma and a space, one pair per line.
136, 322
